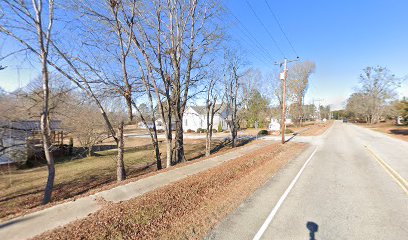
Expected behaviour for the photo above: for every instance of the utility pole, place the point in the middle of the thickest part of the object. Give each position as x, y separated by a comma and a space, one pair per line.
318, 100
283, 76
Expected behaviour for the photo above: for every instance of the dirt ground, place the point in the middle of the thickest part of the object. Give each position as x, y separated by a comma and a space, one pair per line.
187, 209
21, 191
312, 129
389, 128
307, 129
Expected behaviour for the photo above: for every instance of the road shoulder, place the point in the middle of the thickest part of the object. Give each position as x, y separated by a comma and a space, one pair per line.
248, 218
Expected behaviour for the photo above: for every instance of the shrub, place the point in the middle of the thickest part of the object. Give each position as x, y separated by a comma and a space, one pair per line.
214, 131
263, 132
190, 131
288, 130
160, 130
201, 130
219, 127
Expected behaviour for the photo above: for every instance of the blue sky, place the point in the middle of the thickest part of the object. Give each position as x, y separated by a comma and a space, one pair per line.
342, 37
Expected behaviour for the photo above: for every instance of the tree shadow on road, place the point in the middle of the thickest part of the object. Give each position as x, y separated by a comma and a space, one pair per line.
313, 228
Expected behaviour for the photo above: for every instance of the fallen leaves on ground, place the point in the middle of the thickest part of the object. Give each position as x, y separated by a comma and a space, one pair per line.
187, 209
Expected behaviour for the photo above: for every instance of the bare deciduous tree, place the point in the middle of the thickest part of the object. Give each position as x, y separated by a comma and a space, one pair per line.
298, 83
174, 43
34, 20
83, 122
378, 86
234, 74
377, 89
120, 169
213, 96
68, 64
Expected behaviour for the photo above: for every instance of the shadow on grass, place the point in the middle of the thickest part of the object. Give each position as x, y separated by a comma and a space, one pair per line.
403, 132
222, 145
14, 203
79, 153
5, 199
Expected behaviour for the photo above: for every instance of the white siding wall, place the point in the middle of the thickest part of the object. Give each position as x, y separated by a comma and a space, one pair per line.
217, 120
193, 121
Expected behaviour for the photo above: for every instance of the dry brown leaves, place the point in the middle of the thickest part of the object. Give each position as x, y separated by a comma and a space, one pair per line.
187, 209
317, 129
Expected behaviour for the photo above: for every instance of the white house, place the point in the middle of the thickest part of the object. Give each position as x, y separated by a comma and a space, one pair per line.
195, 117
159, 124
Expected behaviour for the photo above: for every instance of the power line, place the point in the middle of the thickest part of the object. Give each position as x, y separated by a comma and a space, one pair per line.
260, 49
255, 41
264, 59
266, 29
281, 28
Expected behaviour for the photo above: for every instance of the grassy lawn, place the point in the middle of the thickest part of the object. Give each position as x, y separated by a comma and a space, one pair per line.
21, 190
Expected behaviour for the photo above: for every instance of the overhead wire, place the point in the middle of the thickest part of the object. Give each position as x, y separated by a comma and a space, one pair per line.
281, 28
260, 49
259, 57
266, 29
254, 40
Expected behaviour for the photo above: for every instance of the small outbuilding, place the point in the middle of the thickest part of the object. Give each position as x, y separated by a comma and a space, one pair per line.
22, 140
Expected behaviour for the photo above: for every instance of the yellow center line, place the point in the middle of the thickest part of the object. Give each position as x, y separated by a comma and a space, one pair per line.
397, 178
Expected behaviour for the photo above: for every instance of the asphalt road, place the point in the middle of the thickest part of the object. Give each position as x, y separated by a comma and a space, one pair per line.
350, 184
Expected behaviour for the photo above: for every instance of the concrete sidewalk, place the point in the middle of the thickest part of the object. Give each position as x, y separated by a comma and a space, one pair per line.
36, 223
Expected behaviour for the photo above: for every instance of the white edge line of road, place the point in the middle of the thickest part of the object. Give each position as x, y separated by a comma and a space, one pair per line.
281, 200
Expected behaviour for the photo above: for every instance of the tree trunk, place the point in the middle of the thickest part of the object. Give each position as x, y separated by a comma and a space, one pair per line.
155, 143
46, 137
234, 137
90, 151
46, 132
179, 141
233, 132
208, 137
208, 142
169, 150
120, 170
169, 142
49, 157
234, 119
210, 125
157, 154
301, 112
128, 99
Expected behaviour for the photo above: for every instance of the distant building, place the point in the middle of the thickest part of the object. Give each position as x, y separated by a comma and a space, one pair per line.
20, 140
160, 125
195, 117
